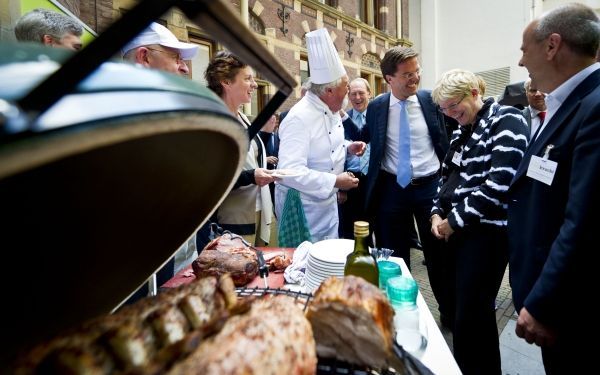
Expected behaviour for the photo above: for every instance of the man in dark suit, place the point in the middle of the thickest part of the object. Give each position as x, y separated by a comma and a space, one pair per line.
352, 202
554, 195
393, 203
535, 112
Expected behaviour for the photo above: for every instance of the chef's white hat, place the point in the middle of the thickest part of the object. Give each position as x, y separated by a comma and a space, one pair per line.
323, 59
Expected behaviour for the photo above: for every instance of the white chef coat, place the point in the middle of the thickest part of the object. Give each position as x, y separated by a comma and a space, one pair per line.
312, 142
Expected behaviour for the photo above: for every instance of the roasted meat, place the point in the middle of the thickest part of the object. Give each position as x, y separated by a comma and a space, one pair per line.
146, 337
353, 321
226, 255
200, 328
274, 337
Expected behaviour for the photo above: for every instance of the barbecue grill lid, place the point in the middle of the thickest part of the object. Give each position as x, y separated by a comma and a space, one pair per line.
98, 192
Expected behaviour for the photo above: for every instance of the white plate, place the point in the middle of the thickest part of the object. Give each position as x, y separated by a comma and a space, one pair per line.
332, 251
325, 266
324, 270
283, 173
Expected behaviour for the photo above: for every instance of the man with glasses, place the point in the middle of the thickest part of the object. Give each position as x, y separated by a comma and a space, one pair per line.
157, 48
408, 141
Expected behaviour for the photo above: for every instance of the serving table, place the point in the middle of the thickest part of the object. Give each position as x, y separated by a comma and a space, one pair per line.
437, 356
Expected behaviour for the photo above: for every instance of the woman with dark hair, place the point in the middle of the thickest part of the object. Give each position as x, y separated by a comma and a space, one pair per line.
247, 210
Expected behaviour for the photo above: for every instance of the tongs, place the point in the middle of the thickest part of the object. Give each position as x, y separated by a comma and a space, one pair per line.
263, 268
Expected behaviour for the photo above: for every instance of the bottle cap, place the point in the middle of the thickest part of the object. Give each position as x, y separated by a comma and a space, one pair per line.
361, 228
402, 291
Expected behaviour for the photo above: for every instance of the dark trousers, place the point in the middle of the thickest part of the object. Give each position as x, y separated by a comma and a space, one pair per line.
480, 257
353, 209
394, 208
572, 354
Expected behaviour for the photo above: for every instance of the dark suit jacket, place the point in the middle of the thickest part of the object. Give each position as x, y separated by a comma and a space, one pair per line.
349, 126
527, 114
375, 132
552, 229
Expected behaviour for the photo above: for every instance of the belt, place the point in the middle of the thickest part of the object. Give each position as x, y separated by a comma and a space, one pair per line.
417, 181
424, 180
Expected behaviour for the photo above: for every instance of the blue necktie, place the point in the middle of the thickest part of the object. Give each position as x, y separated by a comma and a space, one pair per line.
404, 172
364, 159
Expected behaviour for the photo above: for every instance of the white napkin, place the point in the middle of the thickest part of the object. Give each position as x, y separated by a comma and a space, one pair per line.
294, 273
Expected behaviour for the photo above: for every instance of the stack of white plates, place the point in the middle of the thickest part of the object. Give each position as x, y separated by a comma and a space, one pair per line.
326, 258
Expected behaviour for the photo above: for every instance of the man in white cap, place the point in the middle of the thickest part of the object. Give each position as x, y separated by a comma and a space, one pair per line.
157, 47
312, 141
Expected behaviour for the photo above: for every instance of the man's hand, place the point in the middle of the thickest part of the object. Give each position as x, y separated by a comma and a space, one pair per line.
533, 331
272, 160
346, 181
263, 177
357, 148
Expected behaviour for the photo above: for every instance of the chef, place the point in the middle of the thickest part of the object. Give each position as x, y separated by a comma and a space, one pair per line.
312, 141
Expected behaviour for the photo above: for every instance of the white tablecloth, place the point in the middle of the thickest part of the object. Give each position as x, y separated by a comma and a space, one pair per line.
437, 356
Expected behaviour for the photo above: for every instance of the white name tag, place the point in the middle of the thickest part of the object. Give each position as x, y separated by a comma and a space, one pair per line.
456, 158
542, 169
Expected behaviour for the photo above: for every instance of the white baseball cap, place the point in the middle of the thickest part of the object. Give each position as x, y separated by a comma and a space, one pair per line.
158, 34
323, 59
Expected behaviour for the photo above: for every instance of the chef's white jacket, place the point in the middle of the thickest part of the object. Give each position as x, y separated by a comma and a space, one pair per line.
312, 142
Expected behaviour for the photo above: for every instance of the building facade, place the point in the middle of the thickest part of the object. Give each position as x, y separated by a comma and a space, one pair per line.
361, 30
483, 36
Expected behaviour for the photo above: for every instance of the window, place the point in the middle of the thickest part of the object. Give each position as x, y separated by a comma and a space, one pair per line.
363, 14
259, 99
331, 3
200, 61
304, 71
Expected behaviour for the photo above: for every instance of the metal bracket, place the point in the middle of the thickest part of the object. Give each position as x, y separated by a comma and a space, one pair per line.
284, 16
349, 43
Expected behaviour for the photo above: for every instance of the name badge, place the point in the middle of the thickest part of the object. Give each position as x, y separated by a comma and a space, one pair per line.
542, 169
456, 158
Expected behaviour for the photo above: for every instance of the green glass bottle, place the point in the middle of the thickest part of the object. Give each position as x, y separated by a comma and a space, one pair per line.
360, 262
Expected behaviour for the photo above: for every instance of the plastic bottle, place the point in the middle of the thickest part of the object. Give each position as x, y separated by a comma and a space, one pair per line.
402, 292
360, 262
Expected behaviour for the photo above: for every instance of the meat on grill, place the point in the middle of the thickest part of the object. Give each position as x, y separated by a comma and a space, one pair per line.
274, 337
226, 255
146, 337
352, 321
199, 328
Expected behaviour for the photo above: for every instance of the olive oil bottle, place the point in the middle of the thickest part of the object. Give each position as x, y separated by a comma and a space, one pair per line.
360, 262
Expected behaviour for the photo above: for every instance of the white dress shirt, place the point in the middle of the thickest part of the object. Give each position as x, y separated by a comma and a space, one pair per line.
423, 159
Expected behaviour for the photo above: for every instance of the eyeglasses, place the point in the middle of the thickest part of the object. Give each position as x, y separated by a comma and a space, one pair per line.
412, 75
452, 106
174, 55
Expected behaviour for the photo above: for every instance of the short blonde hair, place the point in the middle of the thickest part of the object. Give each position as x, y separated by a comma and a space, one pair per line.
455, 83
